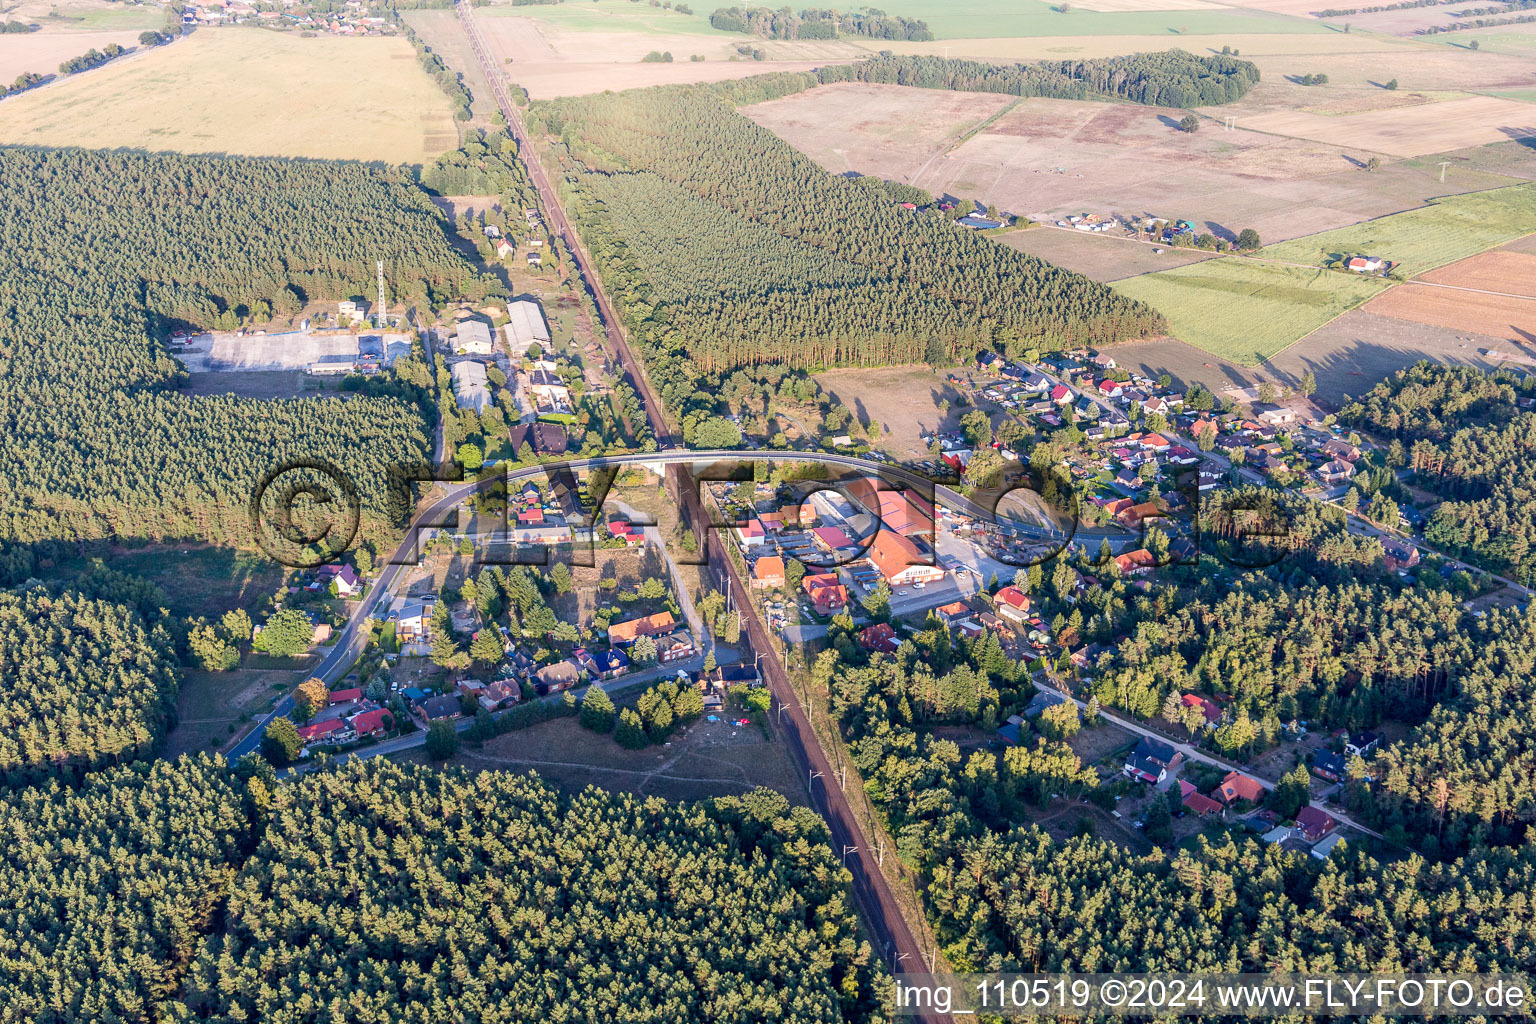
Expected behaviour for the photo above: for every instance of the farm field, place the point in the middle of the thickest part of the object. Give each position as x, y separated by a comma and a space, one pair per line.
1447, 230
1497, 316
42, 52
1509, 270
1112, 158
1298, 38
574, 50
976, 19
1347, 356
1407, 130
1245, 311
85, 16
1101, 258
248, 91
442, 31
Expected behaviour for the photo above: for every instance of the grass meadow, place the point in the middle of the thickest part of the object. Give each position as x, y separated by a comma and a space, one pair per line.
1245, 311
1447, 230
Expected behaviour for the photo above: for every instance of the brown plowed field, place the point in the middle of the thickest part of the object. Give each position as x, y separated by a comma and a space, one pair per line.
1497, 271
1499, 316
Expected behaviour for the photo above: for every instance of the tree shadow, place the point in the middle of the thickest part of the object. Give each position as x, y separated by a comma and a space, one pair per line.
1521, 136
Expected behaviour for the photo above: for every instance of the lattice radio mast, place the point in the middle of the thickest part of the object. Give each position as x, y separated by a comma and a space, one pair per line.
379, 320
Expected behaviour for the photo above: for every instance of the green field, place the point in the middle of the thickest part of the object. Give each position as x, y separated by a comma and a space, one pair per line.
615, 16
990, 19
1445, 231
1246, 311
114, 17
248, 91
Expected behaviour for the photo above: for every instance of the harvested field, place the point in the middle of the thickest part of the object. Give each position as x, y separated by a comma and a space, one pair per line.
443, 32
1120, 6
546, 81
904, 400
1526, 244
1497, 316
1511, 271
1298, 39
886, 130
1447, 230
1411, 130
1245, 311
1099, 257
1112, 158
1348, 356
42, 52
248, 91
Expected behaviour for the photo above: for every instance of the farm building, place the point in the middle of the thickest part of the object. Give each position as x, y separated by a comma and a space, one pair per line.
525, 327
470, 386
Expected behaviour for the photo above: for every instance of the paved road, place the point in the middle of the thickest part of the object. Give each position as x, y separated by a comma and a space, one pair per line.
1190, 752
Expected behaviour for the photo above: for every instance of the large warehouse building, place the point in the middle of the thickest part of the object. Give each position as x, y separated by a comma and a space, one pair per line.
526, 327
470, 386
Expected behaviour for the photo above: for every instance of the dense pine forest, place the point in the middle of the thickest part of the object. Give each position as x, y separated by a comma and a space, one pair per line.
185, 891
103, 254
1469, 441
1171, 78
727, 248
1004, 896
86, 683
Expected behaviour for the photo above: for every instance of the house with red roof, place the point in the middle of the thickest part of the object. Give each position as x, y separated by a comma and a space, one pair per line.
826, 593
879, 638
830, 539
334, 730
1135, 563
1012, 604
1237, 787
767, 572
628, 532
1061, 394
953, 613
372, 723
1134, 515
751, 534
1110, 388
346, 696
1208, 708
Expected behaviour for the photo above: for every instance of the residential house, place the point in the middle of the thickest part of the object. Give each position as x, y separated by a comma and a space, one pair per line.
880, 638
678, 646
437, 709
954, 612
628, 532
1314, 823
1322, 850
1111, 388
1209, 709
827, 594
500, 694
1012, 604
556, 677
1362, 744
1151, 760
333, 731
343, 576
1137, 514
625, 633
1195, 802
1337, 448
751, 534
371, 723
1061, 394
346, 696
1336, 472
1136, 563
1239, 787
1398, 555
768, 572
1328, 765
608, 664
1040, 701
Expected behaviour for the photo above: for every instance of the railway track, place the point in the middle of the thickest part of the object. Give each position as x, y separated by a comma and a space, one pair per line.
882, 916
